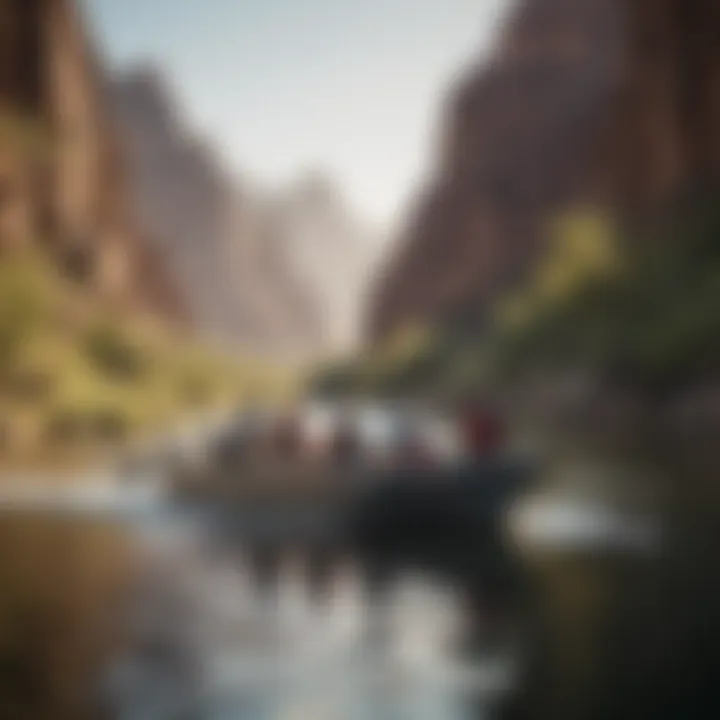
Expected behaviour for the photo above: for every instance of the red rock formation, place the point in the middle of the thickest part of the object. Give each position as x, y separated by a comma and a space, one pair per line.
75, 189
22, 54
178, 193
610, 101
668, 103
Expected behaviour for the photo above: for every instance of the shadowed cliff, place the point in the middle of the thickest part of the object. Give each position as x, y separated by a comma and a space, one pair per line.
597, 101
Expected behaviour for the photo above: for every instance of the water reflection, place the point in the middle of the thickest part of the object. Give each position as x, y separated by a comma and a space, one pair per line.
127, 608
225, 646
61, 582
156, 620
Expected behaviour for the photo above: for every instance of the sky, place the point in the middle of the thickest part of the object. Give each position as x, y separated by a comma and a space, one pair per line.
350, 88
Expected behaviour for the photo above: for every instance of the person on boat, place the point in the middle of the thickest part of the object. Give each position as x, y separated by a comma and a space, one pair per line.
345, 447
482, 430
288, 437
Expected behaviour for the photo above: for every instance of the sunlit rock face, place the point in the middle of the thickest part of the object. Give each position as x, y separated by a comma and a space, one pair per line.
212, 237
178, 193
62, 174
278, 271
116, 180
582, 100
329, 251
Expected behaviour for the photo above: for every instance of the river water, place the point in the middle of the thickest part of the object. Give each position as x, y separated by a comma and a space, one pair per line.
147, 616
115, 605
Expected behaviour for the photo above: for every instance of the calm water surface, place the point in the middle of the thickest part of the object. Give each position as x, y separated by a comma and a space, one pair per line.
154, 619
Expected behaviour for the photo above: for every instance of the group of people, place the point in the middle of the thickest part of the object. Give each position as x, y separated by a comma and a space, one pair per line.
478, 431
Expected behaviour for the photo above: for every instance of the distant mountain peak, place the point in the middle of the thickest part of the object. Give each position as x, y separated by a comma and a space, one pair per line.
149, 90
317, 188
259, 269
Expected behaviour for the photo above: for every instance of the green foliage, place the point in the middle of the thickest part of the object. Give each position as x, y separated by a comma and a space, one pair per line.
334, 380
415, 361
76, 376
109, 424
74, 425
113, 353
583, 254
651, 317
395, 367
195, 389
641, 309
23, 306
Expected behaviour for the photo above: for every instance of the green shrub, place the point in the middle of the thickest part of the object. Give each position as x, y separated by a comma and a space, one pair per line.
656, 323
108, 425
196, 389
112, 353
23, 308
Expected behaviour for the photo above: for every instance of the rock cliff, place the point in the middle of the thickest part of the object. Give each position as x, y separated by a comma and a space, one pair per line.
227, 262
61, 174
274, 271
605, 101
329, 249
667, 105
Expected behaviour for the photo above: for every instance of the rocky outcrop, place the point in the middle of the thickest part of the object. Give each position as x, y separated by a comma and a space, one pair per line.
667, 107
138, 209
60, 169
607, 101
177, 195
277, 272
329, 250
216, 243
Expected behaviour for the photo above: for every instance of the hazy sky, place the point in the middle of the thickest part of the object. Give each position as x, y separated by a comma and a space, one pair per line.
351, 87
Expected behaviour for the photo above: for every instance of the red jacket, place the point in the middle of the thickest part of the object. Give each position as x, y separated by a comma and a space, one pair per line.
483, 432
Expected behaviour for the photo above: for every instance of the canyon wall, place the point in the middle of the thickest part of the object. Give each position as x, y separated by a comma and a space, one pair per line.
273, 271
610, 102
178, 194
106, 174
217, 246
330, 251
61, 172
666, 112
